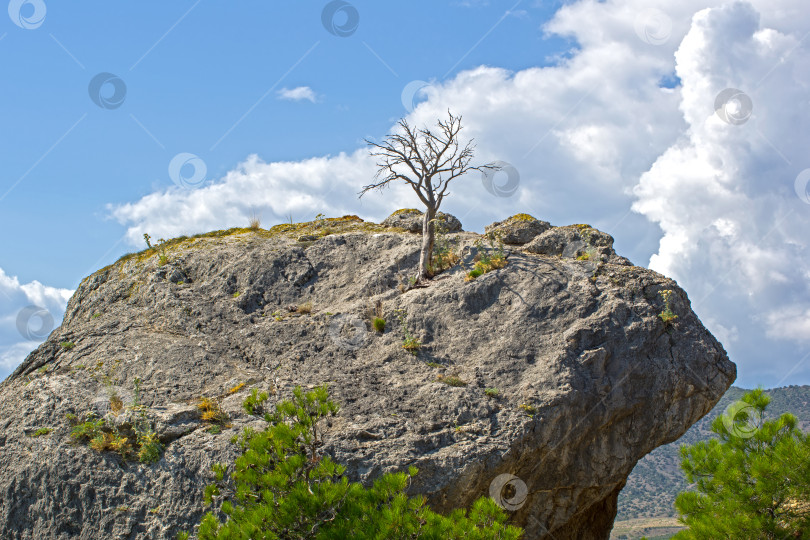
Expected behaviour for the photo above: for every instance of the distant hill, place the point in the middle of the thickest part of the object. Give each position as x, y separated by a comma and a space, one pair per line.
657, 479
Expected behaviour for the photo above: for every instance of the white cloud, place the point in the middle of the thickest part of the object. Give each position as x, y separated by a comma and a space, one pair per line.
21, 329
791, 322
298, 93
733, 229
328, 185
595, 138
472, 3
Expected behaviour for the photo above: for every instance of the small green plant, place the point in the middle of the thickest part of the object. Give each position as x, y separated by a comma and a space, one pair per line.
101, 436
135, 439
590, 253
667, 315
67, 345
254, 403
492, 392
237, 294
160, 248
375, 313
378, 324
214, 430
96, 315
86, 428
42, 431
451, 380
320, 224
530, 410
210, 411
149, 447
409, 342
444, 256
489, 259
434, 365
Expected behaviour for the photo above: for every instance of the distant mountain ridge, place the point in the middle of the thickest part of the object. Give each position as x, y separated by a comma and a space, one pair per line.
657, 478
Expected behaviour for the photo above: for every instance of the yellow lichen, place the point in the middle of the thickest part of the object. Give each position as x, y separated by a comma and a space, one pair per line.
522, 217
406, 211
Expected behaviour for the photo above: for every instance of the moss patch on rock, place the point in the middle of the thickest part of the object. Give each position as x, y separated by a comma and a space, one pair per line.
522, 217
406, 211
315, 229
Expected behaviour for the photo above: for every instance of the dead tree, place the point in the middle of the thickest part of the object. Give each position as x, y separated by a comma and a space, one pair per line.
427, 161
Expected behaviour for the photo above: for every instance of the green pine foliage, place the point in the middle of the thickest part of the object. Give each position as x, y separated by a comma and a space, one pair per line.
254, 403
754, 482
283, 487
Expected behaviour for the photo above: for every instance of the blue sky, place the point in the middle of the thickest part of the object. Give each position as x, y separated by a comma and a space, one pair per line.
608, 111
192, 70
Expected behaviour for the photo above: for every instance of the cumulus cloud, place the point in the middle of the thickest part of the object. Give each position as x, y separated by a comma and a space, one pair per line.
275, 191
298, 93
623, 134
28, 313
791, 322
733, 231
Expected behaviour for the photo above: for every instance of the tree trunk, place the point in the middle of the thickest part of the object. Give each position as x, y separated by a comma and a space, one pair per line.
426, 252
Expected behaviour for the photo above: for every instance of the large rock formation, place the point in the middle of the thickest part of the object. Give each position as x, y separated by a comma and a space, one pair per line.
589, 377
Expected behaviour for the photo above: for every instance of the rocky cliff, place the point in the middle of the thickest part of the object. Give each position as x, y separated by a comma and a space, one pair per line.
541, 383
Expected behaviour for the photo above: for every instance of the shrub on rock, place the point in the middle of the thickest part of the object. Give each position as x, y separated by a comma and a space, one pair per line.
283, 487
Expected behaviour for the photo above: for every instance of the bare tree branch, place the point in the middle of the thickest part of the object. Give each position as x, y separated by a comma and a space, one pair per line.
427, 161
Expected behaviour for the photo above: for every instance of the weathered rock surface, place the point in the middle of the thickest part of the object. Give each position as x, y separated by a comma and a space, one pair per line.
518, 229
410, 219
589, 377
580, 241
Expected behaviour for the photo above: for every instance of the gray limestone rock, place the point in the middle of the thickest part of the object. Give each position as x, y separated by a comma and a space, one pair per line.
581, 242
589, 378
518, 229
410, 219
